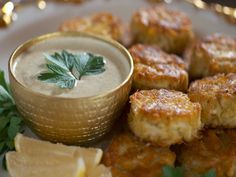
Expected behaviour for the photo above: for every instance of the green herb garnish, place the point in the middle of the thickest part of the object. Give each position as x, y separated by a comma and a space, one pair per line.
169, 171
10, 120
210, 173
66, 69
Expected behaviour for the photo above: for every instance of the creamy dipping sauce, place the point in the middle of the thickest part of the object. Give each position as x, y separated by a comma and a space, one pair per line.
31, 63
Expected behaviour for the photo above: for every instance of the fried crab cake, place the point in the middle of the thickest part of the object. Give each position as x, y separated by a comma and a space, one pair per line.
169, 29
211, 55
217, 96
164, 117
129, 157
154, 68
104, 24
216, 150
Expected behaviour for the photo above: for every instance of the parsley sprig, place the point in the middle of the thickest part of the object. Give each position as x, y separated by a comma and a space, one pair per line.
169, 171
10, 120
210, 173
65, 69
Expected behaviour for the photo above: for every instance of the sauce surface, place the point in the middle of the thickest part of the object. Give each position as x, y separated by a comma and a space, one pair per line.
31, 63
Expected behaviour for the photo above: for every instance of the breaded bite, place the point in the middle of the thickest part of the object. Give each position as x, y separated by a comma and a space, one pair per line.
129, 157
213, 54
217, 96
164, 117
216, 150
104, 24
154, 68
169, 29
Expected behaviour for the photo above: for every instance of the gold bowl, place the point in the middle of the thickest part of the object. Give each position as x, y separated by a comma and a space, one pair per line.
70, 120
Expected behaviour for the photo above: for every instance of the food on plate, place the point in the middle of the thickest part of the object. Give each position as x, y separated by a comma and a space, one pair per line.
35, 165
104, 24
169, 29
154, 68
217, 96
216, 53
41, 158
216, 150
60, 71
164, 117
91, 156
129, 157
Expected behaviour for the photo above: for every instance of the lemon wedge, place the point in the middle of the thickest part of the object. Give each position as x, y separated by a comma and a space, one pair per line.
36, 158
25, 165
99, 171
91, 156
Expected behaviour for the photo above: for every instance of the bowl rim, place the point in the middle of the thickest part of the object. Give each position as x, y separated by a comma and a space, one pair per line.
41, 38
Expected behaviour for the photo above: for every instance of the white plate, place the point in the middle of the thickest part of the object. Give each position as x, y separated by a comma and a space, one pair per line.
33, 22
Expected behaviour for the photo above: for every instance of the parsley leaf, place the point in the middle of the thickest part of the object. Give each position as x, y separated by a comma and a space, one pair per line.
210, 173
4, 95
88, 64
3, 122
65, 69
14, 127
3, 81
10, 120
169, 171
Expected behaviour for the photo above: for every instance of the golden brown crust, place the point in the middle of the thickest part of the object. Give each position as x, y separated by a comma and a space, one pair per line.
215, 150
156, 104
213, 54
217, 96
156, 69
218, 84
151, 55
129, 157
104, 24
171, 30
164, 117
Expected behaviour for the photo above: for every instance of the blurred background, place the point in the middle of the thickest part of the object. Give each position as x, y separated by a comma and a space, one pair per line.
231, 3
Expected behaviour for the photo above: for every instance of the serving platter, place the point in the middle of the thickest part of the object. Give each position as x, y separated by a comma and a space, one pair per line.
32, 22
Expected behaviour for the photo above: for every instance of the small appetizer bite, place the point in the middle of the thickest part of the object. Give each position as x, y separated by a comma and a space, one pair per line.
164, 117
213, 54
217, 96
169, 29
104, 24
216, 151
154, 68
129, 157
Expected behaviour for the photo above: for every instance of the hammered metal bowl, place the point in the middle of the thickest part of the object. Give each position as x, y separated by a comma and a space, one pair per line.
70, 120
